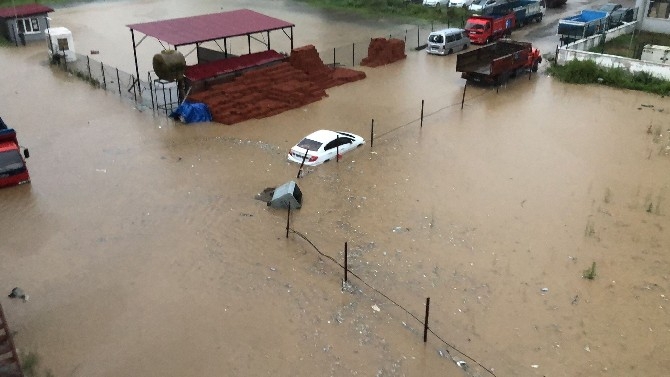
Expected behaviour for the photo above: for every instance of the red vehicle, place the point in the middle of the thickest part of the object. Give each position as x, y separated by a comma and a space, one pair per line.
497, 62
486, 29
13, 169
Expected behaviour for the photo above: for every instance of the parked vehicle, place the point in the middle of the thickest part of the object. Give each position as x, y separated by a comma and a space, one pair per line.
582, 25
497, 62
481, 6
486, 29
554, 3
525, 11
460, 3
436, 3
617, 14
13, 169
324, 145
446, 41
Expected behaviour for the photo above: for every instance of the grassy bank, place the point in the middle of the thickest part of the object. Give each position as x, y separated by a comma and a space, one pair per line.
630, 46
588, 72
400, 9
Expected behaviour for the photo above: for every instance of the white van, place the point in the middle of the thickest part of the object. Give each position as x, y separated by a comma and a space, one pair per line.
446, 41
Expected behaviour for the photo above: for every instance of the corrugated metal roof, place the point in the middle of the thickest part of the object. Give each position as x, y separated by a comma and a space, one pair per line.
24, 10
209, 27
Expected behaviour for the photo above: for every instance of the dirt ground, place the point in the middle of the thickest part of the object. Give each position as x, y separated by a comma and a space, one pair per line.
145, 253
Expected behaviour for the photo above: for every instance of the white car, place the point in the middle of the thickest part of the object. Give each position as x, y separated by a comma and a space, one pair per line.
459, 3
436, 3
480, 6
324, 145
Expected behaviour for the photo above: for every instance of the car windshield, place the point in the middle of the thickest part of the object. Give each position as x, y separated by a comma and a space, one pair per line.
310, 144
11, 162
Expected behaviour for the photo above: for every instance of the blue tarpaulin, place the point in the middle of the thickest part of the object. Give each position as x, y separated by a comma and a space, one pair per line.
192, 112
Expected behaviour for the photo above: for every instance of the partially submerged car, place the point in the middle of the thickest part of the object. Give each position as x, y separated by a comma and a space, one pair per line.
323, 145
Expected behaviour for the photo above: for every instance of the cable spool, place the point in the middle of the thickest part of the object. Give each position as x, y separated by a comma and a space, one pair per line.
169, 65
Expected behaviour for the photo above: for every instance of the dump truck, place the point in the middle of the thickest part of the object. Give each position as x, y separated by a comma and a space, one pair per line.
582, 25
486, 29
497, 62
13, 169
525, 11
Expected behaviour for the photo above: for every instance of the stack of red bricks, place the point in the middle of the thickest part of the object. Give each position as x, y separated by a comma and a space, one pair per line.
382, 51
272, 90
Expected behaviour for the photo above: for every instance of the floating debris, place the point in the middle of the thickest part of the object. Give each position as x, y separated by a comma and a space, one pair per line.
18, 293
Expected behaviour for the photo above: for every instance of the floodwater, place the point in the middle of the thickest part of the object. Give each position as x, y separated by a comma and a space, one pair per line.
145, 253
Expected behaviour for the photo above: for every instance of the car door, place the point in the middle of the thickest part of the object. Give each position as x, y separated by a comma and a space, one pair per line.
340, 144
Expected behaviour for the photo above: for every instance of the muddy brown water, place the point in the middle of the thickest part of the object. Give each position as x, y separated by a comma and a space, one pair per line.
145, 253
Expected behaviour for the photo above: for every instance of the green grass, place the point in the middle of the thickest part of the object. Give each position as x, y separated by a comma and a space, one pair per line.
399, 9
588, 72
631, 45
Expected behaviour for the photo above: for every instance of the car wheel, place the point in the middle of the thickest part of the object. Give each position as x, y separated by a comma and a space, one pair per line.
451, 51
465, 46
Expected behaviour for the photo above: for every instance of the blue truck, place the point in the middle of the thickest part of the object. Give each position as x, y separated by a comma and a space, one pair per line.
525, 11
582, 25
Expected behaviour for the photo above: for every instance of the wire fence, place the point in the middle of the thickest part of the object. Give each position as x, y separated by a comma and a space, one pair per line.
149, 92
468, 363
352, 55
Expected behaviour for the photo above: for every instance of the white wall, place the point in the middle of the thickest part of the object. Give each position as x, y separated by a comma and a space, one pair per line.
654, 25
578, 50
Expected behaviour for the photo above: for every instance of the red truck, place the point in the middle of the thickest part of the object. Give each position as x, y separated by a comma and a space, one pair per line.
497, 62
13, 169
486, 29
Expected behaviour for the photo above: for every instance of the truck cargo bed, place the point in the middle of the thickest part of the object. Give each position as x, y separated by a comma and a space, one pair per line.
481, 60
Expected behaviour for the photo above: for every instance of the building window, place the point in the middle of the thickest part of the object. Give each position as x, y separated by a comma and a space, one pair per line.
28, 25
659, 9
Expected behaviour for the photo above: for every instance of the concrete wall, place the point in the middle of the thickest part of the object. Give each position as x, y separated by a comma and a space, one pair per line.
654, 25
578, 50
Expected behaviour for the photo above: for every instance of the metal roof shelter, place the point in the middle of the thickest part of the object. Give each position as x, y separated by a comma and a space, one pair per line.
210, 27
24, 10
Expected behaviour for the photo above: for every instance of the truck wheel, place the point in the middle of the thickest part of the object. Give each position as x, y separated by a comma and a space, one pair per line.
536, 65
488, 40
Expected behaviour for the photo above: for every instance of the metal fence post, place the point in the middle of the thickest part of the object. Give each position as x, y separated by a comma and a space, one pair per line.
118, 82
88, 65
104, 80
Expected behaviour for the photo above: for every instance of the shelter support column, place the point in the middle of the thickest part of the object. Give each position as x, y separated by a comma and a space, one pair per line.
137, 69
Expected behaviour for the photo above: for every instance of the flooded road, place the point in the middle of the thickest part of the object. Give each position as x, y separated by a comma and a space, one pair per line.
145, 253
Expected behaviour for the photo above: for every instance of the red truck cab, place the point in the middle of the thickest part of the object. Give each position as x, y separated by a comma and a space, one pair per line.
486, 29
13, 169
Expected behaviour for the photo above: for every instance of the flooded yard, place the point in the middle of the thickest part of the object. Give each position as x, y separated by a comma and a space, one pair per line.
145, 253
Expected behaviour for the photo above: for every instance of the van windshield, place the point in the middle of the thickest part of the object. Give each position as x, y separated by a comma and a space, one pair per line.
436, 38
